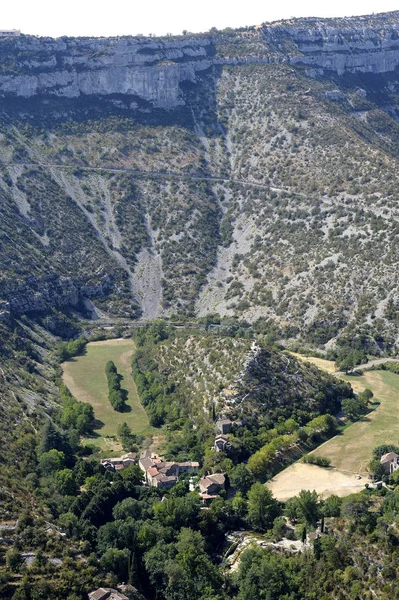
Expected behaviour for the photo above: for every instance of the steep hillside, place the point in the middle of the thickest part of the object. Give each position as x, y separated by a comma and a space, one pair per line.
206, 376
249, 172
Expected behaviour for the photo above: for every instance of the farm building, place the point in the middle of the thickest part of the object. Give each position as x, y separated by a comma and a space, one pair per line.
390, 462
10, 32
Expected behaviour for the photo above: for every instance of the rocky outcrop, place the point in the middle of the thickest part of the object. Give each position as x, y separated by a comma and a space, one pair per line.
153, 69
358, 44
38, 295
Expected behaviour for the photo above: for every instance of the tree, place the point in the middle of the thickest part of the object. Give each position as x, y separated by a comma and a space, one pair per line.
116, 396
66, 482
367, 394
115, 561
331, 506
241, 478
239, 505
197, 568
279, 528
51, 461
51, 438
13, 560
265, 575
308, 506
304, 507
353, 407
346, 364
356, 507
303, 535
262, 507
130, 507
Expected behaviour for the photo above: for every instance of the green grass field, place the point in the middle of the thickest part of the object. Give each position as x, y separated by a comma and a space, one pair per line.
352, 449
85, 378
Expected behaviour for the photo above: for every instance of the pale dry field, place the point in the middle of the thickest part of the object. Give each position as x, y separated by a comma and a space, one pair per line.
352, 449
321, 363
326, 482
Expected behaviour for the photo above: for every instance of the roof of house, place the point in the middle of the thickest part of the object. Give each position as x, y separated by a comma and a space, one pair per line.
107, 593
388, 457
205, 483
225, 422
189, 463
100, 594
152, 471
217, 478
221, 437
146, 463
167, 467
209, 480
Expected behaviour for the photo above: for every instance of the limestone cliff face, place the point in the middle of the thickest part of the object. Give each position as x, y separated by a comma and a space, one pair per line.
38, 295
359, 44
153, 69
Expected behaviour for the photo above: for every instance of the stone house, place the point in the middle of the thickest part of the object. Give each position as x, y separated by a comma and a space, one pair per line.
211, 485
119, 462
221, 443
164, 481
390, 462
10, 32
164, 474
107, 594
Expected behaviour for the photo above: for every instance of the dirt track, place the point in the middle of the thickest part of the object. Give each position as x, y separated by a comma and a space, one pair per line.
326, 482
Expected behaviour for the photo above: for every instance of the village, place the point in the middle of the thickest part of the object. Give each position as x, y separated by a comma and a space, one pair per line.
165, 474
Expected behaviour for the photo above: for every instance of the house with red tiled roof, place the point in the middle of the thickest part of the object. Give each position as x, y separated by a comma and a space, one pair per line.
164, 474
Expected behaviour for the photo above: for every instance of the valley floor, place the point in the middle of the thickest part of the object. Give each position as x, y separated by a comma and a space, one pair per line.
86, 380
350, 451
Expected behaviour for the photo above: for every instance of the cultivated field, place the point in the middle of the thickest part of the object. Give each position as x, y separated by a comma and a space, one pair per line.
85, 377
351, 450
326, 482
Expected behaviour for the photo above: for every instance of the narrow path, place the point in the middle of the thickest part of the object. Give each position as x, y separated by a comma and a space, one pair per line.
157, 174
372, 363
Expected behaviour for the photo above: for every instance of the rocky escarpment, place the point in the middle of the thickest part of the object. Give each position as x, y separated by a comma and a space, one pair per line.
154, 69
366, 44
68, 67
39, 295
264, 193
